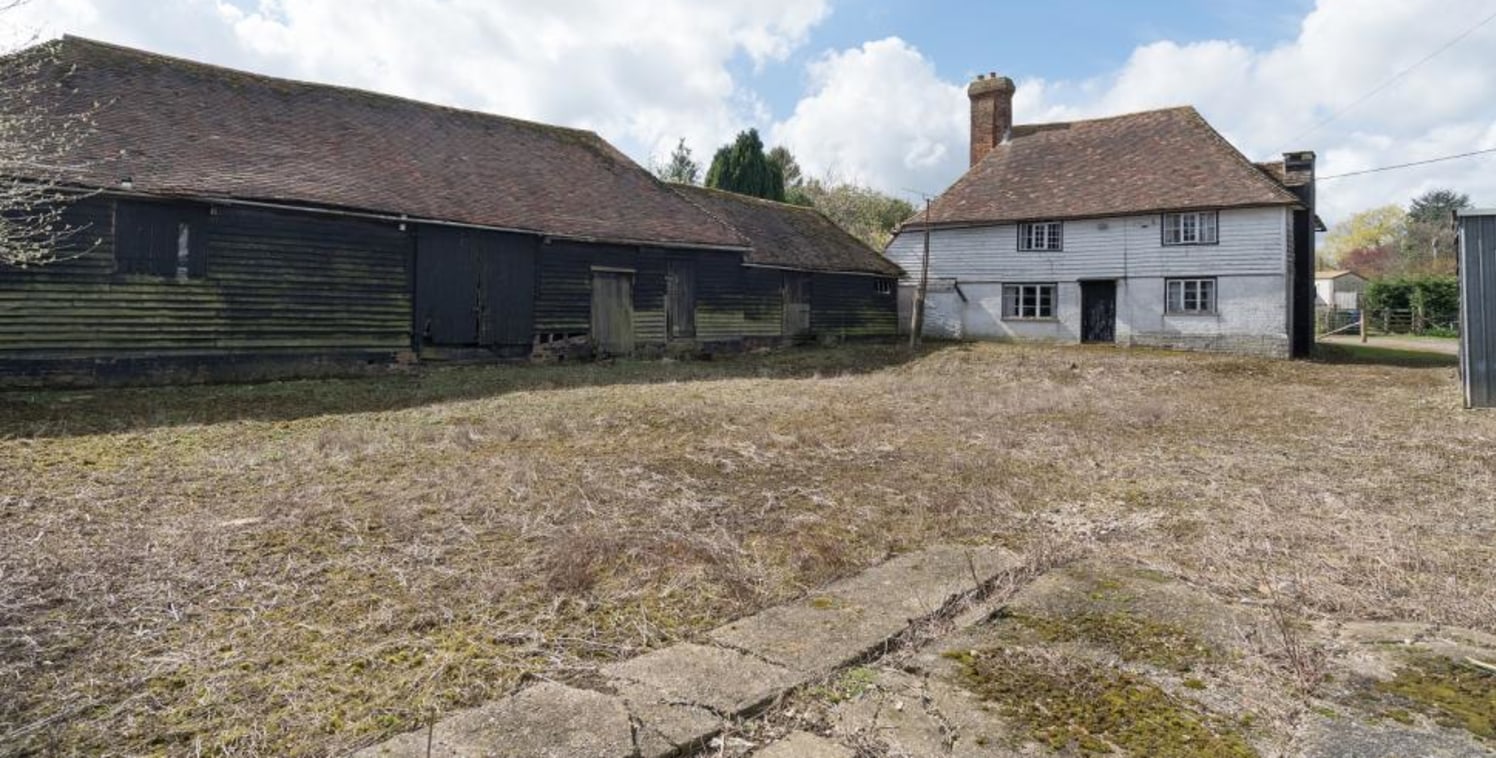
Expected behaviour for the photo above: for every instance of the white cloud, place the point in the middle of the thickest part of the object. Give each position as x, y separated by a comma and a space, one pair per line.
642, 74
878, 115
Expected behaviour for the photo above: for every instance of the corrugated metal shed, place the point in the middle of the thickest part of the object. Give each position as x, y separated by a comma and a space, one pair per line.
1478, 306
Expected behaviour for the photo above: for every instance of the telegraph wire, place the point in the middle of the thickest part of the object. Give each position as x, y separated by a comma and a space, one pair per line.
1389, 82
1396, 166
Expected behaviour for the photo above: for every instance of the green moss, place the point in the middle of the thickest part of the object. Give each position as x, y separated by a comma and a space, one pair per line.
1194, 684
849, 685
1133, 638
1095, 710
1451, 694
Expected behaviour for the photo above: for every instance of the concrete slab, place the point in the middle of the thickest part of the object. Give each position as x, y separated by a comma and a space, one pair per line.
722, 680
545, 721
667, 730
854, 617
805, 745
1343, 737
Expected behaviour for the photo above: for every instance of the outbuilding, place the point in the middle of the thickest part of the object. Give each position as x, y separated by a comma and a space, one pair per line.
239, 226
1478, 306
1338, 290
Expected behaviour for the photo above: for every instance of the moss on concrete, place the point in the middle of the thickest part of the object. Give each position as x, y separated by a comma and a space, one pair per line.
1452, 694
1095, 710
1132, 637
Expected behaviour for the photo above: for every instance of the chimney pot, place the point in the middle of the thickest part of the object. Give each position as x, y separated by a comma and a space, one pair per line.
991, 113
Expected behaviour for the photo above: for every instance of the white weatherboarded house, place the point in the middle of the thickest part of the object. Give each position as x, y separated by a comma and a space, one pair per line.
1142, 229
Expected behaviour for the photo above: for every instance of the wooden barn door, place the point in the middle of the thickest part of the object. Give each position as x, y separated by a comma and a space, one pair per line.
613, 311
1098, 311
447, 306
796, 304
680, 299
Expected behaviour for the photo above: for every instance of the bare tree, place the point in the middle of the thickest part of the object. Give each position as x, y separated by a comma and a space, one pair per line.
40, 131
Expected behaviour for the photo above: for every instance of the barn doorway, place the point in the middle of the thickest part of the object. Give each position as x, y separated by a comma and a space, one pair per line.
473, 288
680, 300
796, 304
1098, 311
613, 311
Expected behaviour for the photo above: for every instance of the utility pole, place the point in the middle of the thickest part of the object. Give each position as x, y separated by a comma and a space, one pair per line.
917, 318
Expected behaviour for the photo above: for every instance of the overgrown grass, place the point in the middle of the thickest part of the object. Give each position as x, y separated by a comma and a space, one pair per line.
305, 567
1343, 353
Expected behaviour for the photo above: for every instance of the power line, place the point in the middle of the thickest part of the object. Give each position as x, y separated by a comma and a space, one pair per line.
1389, 82
1406, 165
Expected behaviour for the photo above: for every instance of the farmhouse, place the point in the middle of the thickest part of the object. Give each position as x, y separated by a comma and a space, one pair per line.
239, 226
1141, 229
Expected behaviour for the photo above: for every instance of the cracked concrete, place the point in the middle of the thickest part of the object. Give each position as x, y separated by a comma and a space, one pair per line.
674, 700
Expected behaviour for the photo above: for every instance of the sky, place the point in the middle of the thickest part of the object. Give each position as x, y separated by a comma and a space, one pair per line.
873, 91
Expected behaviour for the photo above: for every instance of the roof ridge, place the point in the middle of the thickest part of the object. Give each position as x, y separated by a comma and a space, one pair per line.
227, 71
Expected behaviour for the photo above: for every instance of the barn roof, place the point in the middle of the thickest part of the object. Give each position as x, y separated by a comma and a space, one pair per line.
790, 236
177, 127
1168, 159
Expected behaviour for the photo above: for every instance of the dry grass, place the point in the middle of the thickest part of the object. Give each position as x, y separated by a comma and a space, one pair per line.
301, 568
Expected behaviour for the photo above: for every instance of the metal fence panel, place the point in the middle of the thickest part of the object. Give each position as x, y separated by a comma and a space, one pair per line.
1478, 307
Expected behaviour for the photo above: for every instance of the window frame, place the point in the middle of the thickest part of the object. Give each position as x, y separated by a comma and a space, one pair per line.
882, 286
1184, 282
166, 240
1025, 240
1013, 309
1198, 218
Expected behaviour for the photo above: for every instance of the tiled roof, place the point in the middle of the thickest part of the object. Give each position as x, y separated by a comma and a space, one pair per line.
1146, 162
791, 236
177, 127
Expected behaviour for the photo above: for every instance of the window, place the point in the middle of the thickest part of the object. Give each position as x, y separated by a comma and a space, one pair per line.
156, 239
1044, 235
883, 286
1190, 297
1190, 228
1028, 301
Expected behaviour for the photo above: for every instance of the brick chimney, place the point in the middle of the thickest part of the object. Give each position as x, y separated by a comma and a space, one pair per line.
991, 113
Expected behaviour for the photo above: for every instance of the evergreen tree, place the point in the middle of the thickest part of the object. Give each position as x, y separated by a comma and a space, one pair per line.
1437, 206
742, 167
682, 168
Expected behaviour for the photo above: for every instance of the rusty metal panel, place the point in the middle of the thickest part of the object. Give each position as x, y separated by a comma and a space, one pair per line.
613, 311
1478, 307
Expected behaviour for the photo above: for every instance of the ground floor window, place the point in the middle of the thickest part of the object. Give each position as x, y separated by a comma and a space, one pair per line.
1028, 301
883, 286
1192, 297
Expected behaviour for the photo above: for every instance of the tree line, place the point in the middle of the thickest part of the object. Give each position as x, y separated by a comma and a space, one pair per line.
745, 167
1392, 241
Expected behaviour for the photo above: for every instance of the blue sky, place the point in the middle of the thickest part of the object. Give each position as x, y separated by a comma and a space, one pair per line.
873, 91
1019, 39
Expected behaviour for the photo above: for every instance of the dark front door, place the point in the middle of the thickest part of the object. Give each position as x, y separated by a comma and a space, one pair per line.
613, 312
1098, 311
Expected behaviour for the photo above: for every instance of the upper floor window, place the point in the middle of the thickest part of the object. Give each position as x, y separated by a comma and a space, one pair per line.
1028, 301
1194, 228
158, 239
1041, 235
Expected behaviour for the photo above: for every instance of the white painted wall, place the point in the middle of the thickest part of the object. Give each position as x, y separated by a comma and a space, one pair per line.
1250, 264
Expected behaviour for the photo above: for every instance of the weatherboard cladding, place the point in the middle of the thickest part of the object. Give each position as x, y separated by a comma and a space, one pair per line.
273, 283
177, 127
1167, 159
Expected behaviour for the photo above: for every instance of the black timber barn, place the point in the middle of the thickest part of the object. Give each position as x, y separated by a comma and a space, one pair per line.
235, 226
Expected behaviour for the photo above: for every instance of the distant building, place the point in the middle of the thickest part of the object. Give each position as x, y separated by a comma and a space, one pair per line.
1338, 290
1140, 229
